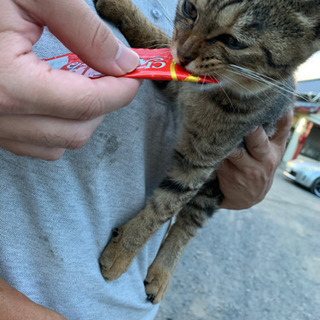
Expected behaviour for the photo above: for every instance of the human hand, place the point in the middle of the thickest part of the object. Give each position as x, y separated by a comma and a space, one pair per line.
16, 306
246, 177
43, 112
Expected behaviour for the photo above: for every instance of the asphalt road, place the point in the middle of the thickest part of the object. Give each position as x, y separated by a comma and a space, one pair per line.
258, 264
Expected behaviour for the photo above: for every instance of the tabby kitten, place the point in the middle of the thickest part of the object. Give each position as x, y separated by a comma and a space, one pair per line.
252, 47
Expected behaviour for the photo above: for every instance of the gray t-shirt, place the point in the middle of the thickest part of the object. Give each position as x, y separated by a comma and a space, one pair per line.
56, 217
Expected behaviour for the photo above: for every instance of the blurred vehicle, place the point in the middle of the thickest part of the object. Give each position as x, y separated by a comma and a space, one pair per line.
306, 172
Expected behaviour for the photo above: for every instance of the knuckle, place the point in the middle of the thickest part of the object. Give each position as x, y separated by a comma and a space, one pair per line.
63, 137
237, 155
91, 106
101, 35
262, 146
260, 175
6, 103
79, 139
270, 165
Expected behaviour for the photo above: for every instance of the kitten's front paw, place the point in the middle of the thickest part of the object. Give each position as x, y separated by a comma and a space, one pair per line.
112, 10
156, 283
115, 259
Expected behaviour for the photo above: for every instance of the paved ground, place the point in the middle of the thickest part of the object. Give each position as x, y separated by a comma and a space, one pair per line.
259, 264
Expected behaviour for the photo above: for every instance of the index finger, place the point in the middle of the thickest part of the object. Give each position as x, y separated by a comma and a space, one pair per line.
84, 33
66, 94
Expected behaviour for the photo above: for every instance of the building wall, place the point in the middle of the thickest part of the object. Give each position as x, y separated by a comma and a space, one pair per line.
304, 121
306, 126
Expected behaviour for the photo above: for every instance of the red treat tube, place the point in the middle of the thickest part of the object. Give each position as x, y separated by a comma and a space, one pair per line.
155, 64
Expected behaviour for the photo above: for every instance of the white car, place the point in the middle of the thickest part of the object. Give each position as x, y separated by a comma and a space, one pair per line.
304, 172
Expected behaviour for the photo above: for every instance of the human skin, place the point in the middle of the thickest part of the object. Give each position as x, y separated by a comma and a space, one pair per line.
43, 112
16, 306
246, 177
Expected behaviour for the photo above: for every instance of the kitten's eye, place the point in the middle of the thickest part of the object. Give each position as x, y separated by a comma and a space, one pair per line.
230, 41
189, 10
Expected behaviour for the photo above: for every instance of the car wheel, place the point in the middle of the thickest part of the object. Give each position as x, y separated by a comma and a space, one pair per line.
315, 188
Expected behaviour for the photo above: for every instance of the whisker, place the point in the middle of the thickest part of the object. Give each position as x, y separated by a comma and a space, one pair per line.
225, 77
264, 79
221, 87
233, 80
203, 81
279, 88
261, 75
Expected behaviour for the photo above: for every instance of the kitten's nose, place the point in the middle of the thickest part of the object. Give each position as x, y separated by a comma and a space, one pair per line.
183, 60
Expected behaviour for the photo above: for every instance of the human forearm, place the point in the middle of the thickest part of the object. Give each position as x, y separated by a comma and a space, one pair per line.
16, 306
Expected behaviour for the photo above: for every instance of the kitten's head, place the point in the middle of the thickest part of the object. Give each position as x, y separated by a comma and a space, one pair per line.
268, 37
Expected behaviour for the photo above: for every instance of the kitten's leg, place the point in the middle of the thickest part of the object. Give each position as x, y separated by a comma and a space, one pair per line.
169, 198
137, 29
189, 219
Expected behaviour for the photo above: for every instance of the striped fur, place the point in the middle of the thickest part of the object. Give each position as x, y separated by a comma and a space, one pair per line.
253, 48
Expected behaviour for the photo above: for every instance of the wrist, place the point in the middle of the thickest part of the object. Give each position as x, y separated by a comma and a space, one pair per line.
16, 306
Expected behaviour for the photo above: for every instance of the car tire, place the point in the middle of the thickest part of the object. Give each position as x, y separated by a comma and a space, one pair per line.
315, 188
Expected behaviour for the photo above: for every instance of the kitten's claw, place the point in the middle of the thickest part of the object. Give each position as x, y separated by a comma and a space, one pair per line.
151, 297
115, 232
156, 283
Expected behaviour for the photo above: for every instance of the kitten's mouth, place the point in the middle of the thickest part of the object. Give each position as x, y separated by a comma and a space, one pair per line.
181, 60
190, 65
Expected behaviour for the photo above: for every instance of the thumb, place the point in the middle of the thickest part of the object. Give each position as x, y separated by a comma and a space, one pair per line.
258, 144
85, 34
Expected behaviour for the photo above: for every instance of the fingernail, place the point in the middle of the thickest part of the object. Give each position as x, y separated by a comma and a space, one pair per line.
126, 59
254, 130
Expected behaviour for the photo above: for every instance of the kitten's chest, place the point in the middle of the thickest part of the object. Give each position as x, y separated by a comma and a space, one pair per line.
212, 113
